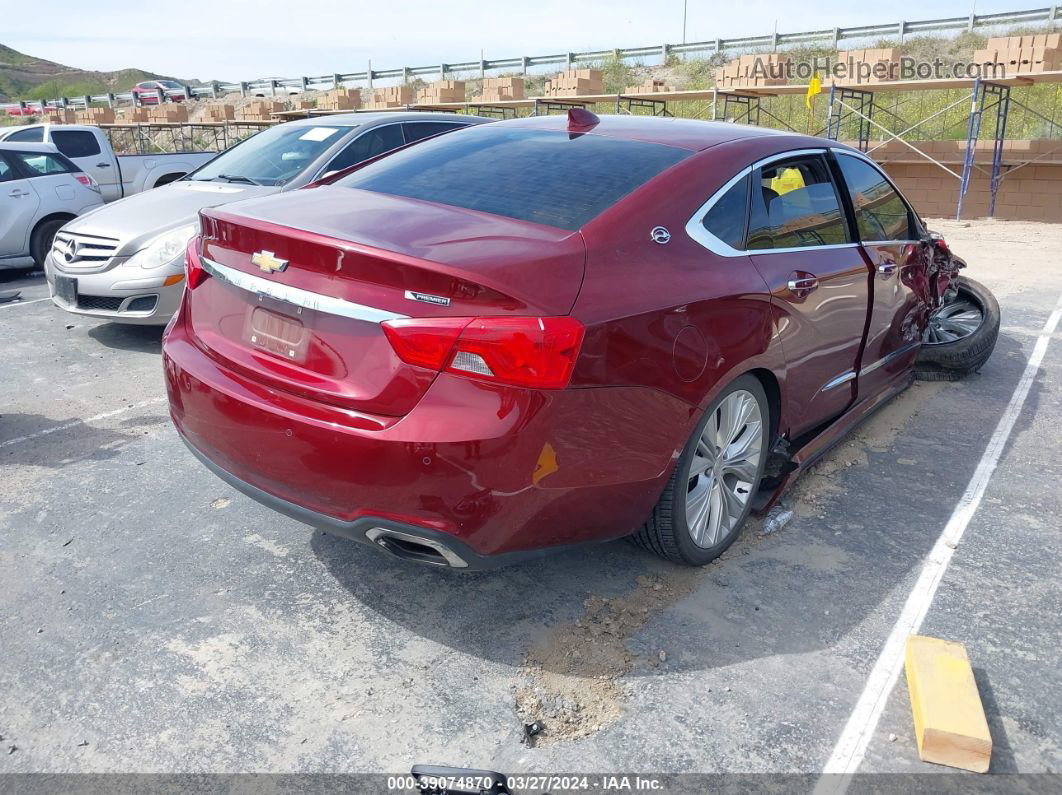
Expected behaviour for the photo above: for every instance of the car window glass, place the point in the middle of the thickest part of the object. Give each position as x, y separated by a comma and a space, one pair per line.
880, 213
726, 218
417, 130
6, 171
806, 214
546, 177
41, 164
272, 157
369, 144
76, 143
33, 135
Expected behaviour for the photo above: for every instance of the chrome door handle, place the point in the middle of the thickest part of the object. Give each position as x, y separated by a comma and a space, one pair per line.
803, 284
888, 268
103, 165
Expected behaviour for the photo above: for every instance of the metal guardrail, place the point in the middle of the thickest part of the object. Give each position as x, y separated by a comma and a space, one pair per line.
569, 59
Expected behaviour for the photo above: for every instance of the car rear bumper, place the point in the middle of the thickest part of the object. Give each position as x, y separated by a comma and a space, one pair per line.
492, 474
404, 540
125, 295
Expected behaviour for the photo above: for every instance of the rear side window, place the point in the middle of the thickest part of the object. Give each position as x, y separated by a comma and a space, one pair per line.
726, 218
545, 177
795, 205
6, 171
41, 164
33, 135
417, 130
879, 211
76, 143
369, 144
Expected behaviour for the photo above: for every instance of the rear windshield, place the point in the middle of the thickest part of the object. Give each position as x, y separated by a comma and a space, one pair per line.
550, 178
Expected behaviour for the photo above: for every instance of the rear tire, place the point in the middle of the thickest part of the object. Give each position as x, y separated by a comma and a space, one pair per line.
703, 473
957, 342
41, 242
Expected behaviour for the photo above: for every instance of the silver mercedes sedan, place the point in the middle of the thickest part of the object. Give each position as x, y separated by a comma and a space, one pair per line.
125, 261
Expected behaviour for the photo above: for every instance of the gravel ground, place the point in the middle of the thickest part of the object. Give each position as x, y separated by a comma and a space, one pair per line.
154, 620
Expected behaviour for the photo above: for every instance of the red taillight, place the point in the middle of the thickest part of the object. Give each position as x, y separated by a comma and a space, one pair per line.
425, 341
537, 352
87, 181
192, 266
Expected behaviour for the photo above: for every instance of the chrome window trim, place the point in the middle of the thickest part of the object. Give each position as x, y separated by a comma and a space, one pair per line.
889, 242
761, 251
297, 296
695, 226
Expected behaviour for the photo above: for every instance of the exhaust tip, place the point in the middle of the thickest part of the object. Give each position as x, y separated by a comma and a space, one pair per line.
415, 548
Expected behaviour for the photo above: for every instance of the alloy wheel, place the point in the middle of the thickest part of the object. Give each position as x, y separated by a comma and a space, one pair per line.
723, 468
953, 321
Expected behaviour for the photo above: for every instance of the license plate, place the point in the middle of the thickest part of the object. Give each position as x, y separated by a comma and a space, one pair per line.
66, 289
278, 334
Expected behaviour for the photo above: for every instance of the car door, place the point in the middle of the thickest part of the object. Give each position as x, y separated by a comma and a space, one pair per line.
18, 209
898, 257
800, 241
83, 147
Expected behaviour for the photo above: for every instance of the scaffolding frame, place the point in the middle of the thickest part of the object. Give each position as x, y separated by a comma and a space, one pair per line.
985, 97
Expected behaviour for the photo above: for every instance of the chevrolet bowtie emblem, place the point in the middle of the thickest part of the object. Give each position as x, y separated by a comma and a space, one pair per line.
268, 262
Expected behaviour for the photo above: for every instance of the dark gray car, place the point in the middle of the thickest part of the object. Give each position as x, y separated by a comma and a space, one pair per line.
125, 261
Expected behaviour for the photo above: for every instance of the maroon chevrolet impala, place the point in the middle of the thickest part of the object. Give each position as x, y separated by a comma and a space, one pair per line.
545, 332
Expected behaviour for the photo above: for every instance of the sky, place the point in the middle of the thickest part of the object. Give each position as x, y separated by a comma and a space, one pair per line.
232, 41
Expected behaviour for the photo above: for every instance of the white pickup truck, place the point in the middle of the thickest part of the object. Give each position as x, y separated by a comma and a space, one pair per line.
117, 175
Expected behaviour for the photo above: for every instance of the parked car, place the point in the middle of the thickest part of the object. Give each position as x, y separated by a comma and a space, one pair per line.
40, 190
548, 331
117, 175
147, 92
150, 231
28, 109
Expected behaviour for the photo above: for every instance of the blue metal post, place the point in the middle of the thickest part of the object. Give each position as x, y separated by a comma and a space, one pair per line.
972, 133
1002, 109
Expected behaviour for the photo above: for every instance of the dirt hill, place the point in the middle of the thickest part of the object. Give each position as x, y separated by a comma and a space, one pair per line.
25, 77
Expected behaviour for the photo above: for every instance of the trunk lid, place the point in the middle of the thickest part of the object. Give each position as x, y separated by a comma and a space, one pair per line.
353, 259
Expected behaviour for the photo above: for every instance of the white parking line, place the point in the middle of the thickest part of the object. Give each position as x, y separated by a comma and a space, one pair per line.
851, 747
23, 303
68, 425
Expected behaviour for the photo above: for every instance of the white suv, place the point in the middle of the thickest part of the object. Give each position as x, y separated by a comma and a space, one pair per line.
40, 190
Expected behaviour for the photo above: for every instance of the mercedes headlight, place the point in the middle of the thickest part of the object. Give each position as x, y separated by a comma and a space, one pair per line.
164, 249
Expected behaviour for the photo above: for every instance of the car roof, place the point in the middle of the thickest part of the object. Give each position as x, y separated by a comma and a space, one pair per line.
692, 134
378, 117
19, 146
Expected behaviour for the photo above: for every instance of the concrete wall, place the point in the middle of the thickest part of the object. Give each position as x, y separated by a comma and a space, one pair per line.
1030, 191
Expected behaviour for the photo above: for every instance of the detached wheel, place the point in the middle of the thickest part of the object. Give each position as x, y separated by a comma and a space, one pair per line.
709, 496
42, 239
960, 335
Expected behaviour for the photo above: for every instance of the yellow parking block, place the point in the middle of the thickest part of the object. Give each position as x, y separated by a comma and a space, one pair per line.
949, 720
